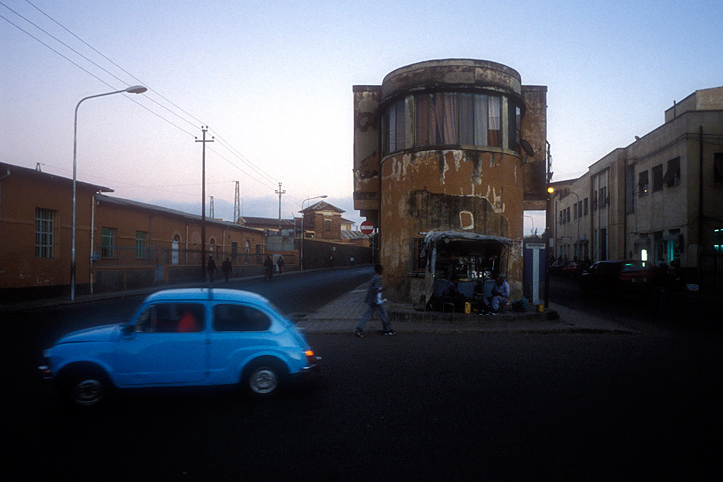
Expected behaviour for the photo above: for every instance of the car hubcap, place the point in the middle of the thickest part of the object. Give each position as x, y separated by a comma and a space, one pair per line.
88, 392
264, 380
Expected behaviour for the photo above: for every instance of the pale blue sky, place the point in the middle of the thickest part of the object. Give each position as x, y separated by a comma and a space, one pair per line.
273, 80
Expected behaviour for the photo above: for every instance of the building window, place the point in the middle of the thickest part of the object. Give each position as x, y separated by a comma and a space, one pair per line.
604, 199
450, 118
45, 225
672, 175
718, 167
584, 205
658, 178
718, 240
234, 250
643, 184
327, 225
141, 244
420, 261
630, 189
108, 243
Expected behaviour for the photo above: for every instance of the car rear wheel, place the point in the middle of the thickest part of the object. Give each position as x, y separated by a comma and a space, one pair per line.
264, 378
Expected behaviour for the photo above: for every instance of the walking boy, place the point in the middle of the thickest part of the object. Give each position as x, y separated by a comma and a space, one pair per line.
375, 302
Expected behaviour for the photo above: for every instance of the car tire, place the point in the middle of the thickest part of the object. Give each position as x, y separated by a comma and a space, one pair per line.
264, 378
85, 389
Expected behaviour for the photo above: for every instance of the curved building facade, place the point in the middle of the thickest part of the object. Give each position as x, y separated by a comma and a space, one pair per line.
454, 147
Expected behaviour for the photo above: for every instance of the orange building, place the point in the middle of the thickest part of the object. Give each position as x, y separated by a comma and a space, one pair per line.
120, 244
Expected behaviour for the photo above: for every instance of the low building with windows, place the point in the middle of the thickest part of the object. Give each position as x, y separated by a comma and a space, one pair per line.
322, 220
453, 146
120, 244
36, 219
658, 200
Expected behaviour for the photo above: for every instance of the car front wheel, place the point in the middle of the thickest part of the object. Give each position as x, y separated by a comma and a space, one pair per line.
85, 390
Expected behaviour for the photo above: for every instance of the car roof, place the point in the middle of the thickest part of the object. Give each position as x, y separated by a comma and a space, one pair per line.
206, 294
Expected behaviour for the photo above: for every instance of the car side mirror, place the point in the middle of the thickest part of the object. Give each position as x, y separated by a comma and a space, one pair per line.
129, 329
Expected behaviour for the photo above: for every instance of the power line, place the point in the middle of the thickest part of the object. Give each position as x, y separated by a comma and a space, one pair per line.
267, 181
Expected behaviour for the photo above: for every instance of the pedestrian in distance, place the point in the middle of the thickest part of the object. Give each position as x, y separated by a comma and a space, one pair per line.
268, 268
376, 305
211, 268
226, 268
280, 264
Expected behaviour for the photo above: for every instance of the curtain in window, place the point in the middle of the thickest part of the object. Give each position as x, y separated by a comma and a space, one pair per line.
480, 118
493, 136
399, 127
391, 128
436, 119
422, 101
450, 118
466, 119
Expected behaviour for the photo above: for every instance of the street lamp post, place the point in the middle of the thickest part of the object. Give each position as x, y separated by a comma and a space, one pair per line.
135, 89
548, 224
301, 258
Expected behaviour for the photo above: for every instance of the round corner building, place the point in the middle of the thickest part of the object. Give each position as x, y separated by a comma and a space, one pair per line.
446, 155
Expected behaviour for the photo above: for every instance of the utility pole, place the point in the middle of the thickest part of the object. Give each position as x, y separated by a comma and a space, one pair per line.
236, 204
280, 193
203, 199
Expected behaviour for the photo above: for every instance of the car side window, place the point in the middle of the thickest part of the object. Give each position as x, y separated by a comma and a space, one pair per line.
171, 318
239, 318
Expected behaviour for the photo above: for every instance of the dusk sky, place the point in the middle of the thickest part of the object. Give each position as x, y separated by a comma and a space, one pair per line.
273, 81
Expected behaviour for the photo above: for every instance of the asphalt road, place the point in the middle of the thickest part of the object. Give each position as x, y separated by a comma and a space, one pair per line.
409, 407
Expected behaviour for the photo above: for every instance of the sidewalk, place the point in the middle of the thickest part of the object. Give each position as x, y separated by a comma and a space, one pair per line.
342, 314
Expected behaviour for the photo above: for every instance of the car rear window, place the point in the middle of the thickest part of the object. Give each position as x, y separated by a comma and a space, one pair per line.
227, 317
629, 267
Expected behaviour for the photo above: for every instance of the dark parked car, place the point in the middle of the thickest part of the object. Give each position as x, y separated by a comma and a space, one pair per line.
572, 270
620, 276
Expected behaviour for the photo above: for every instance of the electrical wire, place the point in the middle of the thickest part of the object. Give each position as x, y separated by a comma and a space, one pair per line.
267, 180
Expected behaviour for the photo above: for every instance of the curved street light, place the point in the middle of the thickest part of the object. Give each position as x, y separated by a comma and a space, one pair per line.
301, 258
134, 89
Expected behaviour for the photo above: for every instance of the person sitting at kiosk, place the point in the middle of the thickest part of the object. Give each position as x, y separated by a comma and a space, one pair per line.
500, 295
452, 295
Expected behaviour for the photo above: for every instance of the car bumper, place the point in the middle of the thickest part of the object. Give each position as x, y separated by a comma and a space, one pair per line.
46, 374
314, 365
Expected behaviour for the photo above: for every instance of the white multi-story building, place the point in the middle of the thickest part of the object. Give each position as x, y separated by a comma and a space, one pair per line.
659, 200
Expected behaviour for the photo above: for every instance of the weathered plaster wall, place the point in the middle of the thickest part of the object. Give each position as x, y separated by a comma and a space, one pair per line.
366, 150
473, 191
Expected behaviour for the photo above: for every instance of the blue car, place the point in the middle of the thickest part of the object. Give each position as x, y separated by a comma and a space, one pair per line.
182, 338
